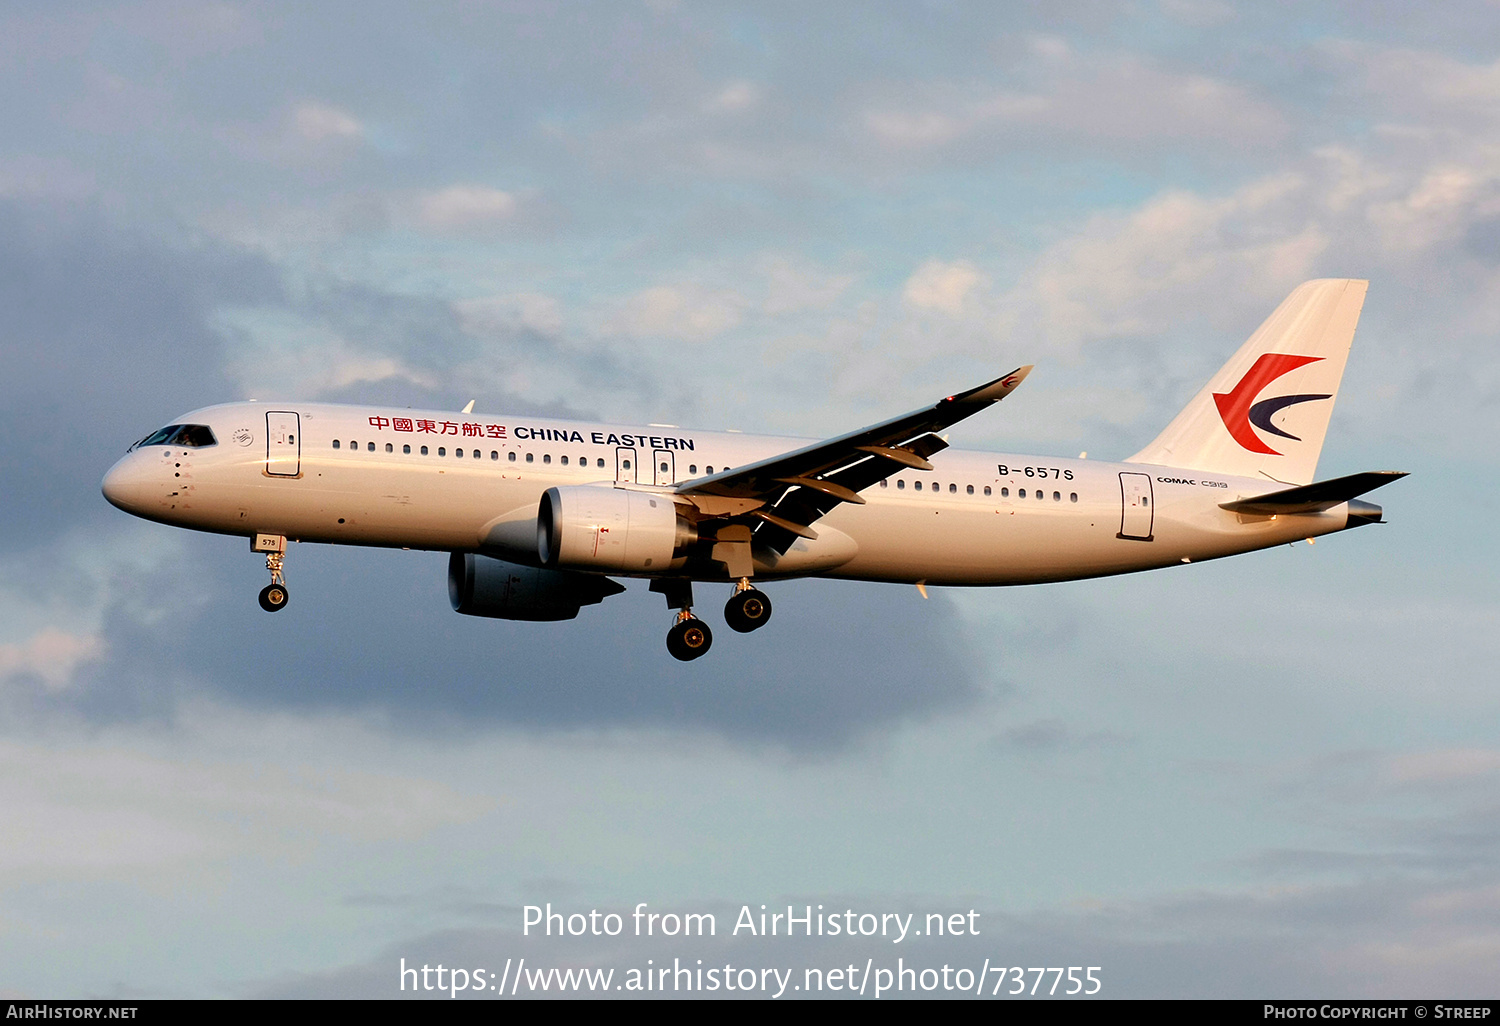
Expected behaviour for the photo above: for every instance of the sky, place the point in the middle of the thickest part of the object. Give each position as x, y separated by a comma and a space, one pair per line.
1269, 776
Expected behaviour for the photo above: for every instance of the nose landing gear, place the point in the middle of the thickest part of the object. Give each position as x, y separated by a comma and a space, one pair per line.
748, 608
273, 597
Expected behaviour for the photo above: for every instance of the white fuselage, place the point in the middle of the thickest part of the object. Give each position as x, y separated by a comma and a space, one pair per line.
357, 475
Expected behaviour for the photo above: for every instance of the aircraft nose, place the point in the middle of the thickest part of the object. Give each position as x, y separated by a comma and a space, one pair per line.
128, 485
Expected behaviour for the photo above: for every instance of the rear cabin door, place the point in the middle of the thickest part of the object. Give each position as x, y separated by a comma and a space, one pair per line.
1136, 514
283, 444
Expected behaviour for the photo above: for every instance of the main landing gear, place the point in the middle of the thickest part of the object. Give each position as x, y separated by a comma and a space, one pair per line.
274, 595
748, 609
689, 637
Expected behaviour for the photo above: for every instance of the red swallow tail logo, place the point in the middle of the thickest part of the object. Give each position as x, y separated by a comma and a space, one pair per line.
1238, 407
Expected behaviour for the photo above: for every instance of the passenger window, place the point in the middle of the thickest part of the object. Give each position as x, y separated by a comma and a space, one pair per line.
511, 456
424, 450
530, 457
709, 470
692, 468
494, 455
627, 464
565, 461
601, 463
547, 458
901, 485
1057, 496
1021, 493
1073, 497
884, 483
663, 468
1145, 501
335, 443
1040, 494
406, 449
917, 485
370, 446
986, 489
953, 489
389, 447
476, 454
442, 451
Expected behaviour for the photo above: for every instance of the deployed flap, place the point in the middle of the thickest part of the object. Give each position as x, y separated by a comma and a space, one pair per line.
1314, 498
792, 490
1266, 411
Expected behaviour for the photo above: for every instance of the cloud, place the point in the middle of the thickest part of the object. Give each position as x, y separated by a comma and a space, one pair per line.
793, 286
816, 679
52, 655
1450, 764
1116, 100
105, 807
321, 122
108, 335
942, 287
684, 312
504, 315
465, 208
736, 96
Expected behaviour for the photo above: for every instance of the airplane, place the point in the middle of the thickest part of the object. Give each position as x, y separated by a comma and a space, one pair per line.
541, 515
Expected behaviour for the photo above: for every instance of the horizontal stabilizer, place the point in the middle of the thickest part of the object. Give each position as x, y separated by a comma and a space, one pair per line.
1313, 498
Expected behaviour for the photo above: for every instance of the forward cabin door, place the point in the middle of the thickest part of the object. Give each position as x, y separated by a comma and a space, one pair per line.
1136, 513
627, 465
283, 444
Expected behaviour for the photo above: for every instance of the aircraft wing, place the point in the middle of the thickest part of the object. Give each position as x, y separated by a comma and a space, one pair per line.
786, 494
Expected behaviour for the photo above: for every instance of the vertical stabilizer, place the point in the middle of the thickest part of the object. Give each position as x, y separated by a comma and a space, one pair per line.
1266, 411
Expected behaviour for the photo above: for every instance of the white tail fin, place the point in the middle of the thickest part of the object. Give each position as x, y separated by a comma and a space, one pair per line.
1297, 356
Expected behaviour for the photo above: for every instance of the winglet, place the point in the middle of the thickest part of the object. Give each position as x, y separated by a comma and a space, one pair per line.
993, 391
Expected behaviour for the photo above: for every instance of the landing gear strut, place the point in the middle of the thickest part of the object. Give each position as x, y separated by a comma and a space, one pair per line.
748, 608
689, 637
274, 595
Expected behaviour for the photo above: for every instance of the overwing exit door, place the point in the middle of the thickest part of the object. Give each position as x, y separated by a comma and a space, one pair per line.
283, 444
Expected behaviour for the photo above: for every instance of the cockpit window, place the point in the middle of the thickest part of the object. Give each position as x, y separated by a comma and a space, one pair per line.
189, 436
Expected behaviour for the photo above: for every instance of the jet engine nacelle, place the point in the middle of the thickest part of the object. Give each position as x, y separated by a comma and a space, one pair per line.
616, 530
484, 586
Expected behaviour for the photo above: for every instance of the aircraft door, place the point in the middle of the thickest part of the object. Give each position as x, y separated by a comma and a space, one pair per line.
664, 466
1136, 513
626, 465
283, 444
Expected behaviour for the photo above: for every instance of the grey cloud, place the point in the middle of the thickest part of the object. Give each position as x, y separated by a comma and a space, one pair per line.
1359, 940
106, 338
1053, 736
371, 632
